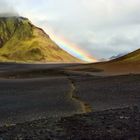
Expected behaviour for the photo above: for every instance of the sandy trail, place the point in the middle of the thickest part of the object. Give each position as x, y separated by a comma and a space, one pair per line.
85, 107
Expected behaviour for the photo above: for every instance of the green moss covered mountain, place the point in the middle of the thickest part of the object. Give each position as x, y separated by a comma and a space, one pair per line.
131, 57
21, 41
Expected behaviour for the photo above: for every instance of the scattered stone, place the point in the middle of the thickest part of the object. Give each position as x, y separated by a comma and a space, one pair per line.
114, 124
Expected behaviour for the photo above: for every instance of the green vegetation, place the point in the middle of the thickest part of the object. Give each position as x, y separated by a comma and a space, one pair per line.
20, 41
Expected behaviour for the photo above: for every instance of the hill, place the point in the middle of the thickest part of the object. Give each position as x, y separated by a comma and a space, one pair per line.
127, 64
21, 41
131, 57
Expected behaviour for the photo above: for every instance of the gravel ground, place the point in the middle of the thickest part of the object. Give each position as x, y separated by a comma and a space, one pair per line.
118, 124
25, 98
109, 92
33, 92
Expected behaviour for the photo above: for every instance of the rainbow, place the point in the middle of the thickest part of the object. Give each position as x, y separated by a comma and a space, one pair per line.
71, 48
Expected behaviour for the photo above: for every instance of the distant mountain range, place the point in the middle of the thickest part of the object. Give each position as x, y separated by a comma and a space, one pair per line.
117, 56
127, 64
131, 57
21, 41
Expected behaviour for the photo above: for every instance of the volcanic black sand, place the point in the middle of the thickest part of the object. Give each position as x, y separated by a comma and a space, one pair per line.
47, 93
118, 124
25, 97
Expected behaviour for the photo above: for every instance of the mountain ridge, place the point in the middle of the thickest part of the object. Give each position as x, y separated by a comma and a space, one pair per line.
130, 57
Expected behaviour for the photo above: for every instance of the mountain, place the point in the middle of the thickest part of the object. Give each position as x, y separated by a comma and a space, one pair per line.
131, 57
127, 64
21, 41
117, 56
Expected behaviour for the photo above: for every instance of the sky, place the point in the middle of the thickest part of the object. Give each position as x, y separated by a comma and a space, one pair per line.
100, 28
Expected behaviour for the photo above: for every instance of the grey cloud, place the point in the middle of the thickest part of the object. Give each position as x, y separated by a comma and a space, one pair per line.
101, 28
124, 40
6, 9
115, 45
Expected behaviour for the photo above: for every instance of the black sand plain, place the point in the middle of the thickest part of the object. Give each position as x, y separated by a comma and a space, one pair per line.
31, 92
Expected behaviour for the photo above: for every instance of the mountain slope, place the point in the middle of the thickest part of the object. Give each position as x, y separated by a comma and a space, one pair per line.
21, 41
131, 57
127, 64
